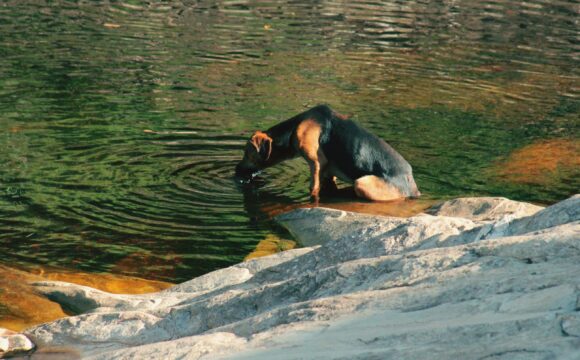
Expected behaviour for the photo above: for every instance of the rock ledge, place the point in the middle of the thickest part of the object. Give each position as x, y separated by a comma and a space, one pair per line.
478, 278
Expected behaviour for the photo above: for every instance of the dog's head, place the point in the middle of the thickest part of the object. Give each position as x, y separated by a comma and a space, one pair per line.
256, 156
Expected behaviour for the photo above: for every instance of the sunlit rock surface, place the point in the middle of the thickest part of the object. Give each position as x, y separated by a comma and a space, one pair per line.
484, 283
12, 344
485, 208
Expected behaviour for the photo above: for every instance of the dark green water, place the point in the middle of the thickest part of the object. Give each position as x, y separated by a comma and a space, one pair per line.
121, 122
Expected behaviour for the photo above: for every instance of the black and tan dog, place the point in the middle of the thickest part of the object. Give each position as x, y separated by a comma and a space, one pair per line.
334, 147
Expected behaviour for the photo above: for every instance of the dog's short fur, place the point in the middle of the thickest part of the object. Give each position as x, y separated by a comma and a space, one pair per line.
334, 147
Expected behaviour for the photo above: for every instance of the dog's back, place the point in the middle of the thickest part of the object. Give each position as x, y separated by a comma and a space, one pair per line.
333, 146
354, 152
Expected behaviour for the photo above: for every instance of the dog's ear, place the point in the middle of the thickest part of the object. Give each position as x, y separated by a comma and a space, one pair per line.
263, 144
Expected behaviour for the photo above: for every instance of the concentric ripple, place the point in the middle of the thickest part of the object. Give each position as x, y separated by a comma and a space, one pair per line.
207, 180
203, 180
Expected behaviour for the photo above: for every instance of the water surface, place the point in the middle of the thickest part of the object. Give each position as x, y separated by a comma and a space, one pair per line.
121, 121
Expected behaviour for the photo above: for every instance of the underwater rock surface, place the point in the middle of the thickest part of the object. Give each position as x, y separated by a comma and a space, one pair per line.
477, 278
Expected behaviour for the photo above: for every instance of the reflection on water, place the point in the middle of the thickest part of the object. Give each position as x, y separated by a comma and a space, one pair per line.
120, 123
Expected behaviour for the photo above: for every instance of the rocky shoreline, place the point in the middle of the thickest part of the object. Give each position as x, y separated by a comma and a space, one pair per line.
476, 278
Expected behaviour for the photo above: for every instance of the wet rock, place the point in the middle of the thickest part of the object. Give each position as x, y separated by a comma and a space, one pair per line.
22, 307
438, 287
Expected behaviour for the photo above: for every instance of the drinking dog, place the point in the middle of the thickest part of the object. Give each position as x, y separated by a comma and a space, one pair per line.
334, 147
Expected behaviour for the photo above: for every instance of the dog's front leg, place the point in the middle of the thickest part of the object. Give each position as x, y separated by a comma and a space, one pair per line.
314, 179
318, 165
307, 139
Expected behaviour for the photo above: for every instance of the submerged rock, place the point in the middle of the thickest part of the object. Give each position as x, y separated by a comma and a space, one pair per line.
496, 283
545, 162
22, 307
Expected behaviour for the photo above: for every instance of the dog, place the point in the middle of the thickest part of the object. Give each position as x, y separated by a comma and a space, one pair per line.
334, 147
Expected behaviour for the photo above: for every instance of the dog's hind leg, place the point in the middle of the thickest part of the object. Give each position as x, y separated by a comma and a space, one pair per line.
374, 188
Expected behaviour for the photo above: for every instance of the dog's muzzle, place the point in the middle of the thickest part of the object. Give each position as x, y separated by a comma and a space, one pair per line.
244, 174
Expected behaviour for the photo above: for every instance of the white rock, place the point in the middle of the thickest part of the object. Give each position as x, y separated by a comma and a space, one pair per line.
484, 208
503, 285
13, 345
5, 332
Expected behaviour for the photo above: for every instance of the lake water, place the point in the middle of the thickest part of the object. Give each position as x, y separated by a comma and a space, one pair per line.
121, 122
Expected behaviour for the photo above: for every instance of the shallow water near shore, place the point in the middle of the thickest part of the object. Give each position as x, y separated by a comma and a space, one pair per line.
121, 123
21, 306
